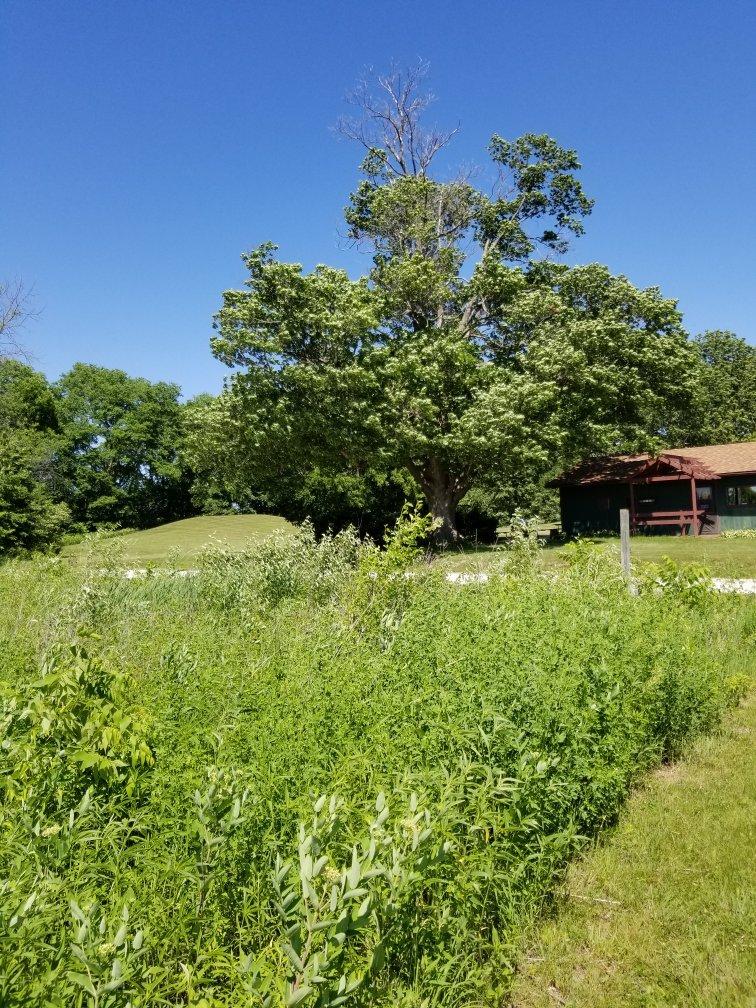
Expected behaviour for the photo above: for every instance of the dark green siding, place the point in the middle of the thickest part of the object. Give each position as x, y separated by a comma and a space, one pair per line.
739, 517
591, 510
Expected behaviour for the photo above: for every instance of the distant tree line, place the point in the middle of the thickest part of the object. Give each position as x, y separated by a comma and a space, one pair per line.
101, 449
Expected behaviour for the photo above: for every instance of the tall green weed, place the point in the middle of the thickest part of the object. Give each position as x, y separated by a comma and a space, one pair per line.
304, 777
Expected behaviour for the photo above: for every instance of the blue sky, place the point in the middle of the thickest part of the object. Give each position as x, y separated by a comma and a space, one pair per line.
145, 145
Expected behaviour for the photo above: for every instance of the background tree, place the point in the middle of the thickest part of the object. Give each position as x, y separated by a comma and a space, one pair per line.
30, 515
460, 353
725, 408
121, 448
27, 400
211, 451
229, 476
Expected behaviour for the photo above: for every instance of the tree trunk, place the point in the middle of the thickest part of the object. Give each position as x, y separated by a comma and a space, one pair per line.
444, 509
442, 494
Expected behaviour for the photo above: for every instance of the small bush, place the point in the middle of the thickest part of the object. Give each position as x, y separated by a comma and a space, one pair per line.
279, 567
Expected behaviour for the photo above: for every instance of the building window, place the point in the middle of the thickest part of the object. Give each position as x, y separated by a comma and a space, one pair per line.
743, 496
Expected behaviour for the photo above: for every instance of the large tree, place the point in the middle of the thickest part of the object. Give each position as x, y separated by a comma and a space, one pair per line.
121, 448
30, 515
228, 476
460, 352
725, 407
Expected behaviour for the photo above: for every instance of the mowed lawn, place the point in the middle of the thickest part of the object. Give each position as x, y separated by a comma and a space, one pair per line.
734, 558
664, 913
180, 542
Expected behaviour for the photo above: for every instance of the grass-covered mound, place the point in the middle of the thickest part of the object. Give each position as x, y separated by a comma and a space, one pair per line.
181, 542
302, 777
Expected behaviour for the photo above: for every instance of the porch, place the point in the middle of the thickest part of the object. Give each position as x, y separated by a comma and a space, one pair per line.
675, 492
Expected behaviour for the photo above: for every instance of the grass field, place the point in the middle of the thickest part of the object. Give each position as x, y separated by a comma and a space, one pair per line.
181, 541
725, 557
664, 913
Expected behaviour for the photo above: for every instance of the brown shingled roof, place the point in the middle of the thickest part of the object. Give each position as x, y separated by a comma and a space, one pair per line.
723, 459
707, 462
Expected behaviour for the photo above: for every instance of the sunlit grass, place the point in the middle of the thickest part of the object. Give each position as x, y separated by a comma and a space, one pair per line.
725, 557
167, 740
182, 541
663, 914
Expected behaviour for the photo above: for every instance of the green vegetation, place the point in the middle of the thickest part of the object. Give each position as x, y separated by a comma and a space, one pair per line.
180, 543
462, 370
119, 460
732, 557
30, 517
302, 777
318, 773
726, 396
724, 557
462, 358
663, 915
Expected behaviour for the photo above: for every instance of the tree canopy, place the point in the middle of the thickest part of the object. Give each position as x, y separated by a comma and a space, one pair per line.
463, 350
120, 456
725, 407
31, 516
466, 365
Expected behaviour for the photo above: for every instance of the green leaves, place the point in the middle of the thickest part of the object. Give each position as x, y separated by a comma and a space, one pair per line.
288, 318
29, 517
119, 457
388, 371
334, 929
539, 181
108, 964
724, 407
451, 373
474, 736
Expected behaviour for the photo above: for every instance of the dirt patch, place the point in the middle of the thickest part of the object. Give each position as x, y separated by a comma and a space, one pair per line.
669, 773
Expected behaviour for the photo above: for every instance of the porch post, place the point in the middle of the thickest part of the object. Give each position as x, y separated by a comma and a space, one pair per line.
632, 506
696, 530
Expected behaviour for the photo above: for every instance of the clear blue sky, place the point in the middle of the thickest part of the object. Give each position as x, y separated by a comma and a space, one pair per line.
145, 144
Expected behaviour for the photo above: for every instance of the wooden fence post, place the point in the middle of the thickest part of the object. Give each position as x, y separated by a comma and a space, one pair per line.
625, 541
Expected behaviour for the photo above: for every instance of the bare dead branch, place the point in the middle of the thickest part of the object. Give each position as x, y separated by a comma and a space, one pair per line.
390, 110
16, 309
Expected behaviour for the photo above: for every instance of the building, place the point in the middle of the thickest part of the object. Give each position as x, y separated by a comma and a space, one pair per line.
693, 491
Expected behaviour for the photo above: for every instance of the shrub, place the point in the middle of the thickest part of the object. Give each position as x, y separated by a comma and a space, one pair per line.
281, 566
303, 777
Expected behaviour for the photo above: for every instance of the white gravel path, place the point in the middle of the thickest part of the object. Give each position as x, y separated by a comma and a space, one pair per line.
738, 586
741, 586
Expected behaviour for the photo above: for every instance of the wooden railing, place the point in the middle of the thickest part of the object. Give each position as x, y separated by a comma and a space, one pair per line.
679, 518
